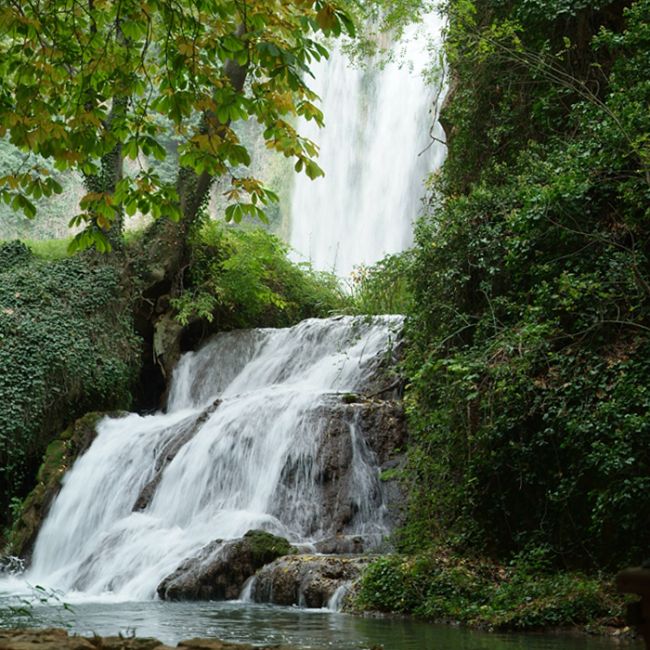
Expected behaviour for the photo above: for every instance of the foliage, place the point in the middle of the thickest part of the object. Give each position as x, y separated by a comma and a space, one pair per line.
382, 288
48, 249
82, 85
243, 278
377, 18
516, 597
529, 399
54, 211
18, 611
66, 347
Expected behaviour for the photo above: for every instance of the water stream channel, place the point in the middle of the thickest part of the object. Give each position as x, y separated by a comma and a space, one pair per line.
307, 629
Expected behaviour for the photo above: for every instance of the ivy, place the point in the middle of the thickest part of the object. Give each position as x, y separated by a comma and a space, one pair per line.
66, 347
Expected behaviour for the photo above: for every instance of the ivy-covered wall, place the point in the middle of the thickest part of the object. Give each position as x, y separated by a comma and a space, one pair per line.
529, 356
66, 347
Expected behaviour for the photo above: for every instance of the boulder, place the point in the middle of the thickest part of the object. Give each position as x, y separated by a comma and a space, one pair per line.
341, 545
220, 569
306, 580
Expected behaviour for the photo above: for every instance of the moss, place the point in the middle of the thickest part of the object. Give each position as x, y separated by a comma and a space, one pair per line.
58, 458
67, 346
266, 547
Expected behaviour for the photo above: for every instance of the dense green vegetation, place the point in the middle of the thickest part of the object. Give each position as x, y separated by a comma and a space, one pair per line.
519, 596
528, 352
66, 347
527, 292
243, 278
529, 357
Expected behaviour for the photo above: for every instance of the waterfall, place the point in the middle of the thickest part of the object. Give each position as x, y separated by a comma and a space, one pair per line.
238, 449
376, 151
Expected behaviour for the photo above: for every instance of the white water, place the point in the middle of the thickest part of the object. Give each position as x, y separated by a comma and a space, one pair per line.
376, 152
252, 462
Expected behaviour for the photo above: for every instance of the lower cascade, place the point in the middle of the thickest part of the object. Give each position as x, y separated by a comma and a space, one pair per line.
274, 431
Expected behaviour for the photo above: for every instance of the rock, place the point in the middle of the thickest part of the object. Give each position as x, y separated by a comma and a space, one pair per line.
56, 639
59, 457
11, 565
169, 453
42, 640
167, 342
220, 569
371, 431
341, 545
306, 580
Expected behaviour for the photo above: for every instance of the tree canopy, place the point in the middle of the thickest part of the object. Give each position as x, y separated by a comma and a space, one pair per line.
87, 83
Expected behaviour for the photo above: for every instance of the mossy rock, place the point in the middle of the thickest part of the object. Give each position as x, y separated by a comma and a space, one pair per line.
265, 547
57, 460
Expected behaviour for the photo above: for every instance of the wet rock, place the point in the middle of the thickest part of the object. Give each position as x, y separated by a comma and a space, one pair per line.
11, 565
169, 453
306, 580
341, 545
55, 639
355, 437
59, 457
220, 569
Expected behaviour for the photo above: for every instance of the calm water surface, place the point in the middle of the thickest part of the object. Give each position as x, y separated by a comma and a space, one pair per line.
313, 630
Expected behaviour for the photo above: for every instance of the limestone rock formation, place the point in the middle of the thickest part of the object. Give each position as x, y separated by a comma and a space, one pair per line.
306, 580
373, 429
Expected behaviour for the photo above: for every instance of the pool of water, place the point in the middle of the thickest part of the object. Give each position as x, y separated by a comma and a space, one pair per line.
308, 629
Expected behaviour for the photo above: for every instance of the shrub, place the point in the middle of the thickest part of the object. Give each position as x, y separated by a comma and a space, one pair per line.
243, 278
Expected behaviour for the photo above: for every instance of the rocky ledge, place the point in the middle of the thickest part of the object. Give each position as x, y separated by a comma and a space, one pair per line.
307, 580
55, 639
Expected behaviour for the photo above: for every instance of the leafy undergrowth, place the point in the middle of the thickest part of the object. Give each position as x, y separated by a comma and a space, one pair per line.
384, 287
244, 278
479, 593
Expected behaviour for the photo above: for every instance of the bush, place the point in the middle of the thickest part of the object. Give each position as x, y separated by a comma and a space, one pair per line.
243, 278
529, 355
383, 288
444, 587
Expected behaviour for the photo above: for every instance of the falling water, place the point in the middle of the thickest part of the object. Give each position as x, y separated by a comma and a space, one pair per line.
246, 416
376, 150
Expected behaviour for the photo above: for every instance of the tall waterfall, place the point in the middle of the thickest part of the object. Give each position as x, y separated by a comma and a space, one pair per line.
376, 151
237, 450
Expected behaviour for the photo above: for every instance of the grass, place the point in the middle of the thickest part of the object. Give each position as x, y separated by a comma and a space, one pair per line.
49, 249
